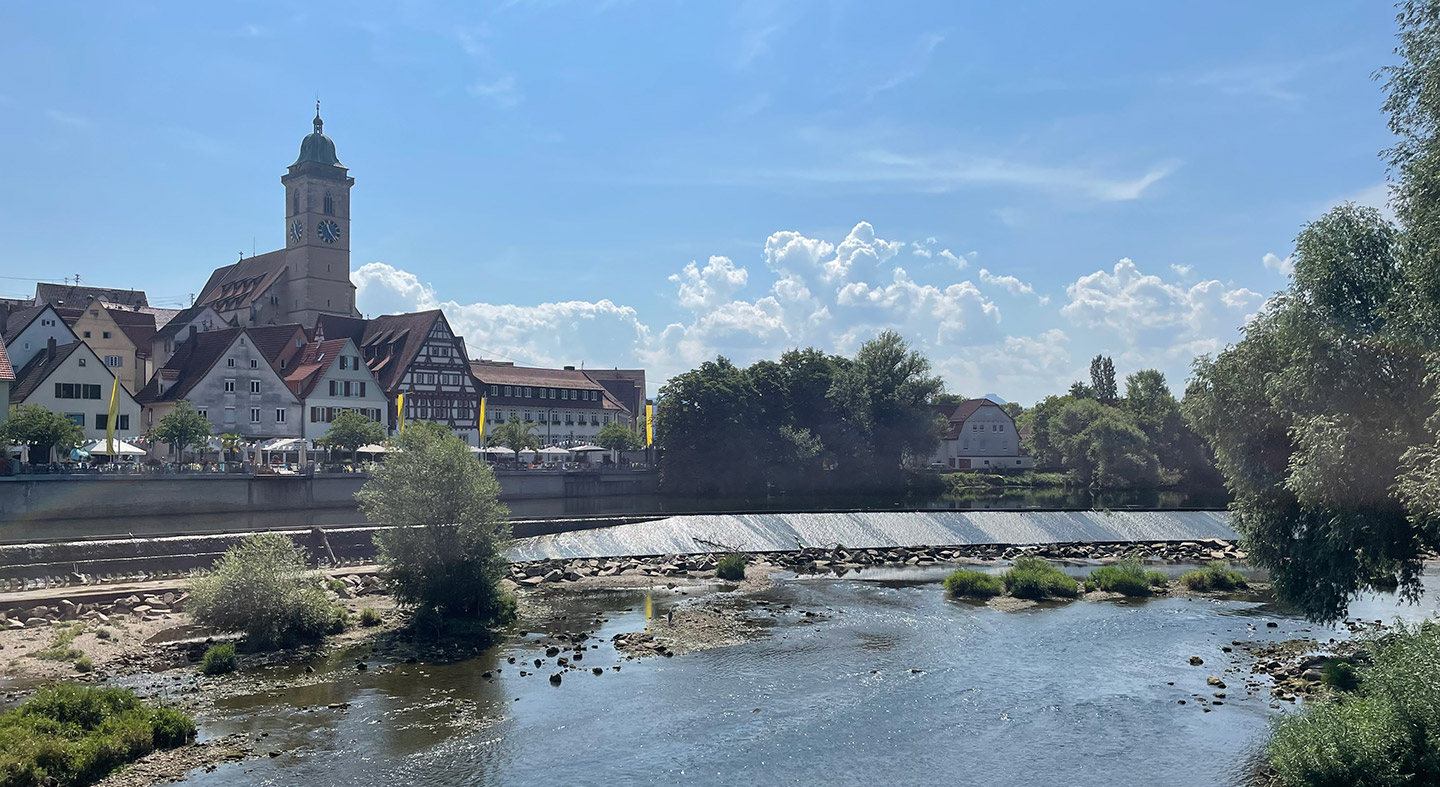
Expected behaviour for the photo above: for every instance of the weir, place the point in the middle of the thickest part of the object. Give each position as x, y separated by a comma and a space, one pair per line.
776, 532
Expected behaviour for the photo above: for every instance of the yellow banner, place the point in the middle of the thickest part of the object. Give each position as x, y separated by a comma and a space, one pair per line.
114, 415
400, 413
482, 422
649, 424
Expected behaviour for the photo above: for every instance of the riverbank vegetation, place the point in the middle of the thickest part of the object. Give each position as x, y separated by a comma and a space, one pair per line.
264, 587
443, 554
1324, 417
1105, 440
968, 583
71, 735
1384, 733
811, 421
219, 659
1035, 579
731, 567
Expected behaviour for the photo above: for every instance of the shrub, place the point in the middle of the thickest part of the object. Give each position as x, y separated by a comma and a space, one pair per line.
1033, 578
219, 659
443, 554
59, 648
339, 621
1126, 577
1213, 576
75, 735
336, 586
369, 616
1157, 579
1385, 733
264, 588
973, 584
1340, 675
731, 567
84, 664
104, 633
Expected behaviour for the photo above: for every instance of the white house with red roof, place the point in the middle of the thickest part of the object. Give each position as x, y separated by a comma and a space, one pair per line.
7, 376
331, 377
981, 436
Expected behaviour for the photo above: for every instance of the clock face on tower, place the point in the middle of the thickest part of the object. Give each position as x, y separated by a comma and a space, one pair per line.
297, 231
329, 231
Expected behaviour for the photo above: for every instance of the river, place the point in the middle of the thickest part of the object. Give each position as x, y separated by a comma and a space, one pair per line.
887, 682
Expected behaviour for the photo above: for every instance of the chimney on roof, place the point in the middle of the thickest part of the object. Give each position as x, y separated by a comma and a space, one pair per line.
50, 349
193, 330
569, 368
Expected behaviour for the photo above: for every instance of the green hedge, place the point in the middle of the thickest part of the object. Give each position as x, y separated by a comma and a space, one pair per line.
973, 584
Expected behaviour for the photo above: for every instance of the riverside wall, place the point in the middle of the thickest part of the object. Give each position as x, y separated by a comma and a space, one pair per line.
43, 498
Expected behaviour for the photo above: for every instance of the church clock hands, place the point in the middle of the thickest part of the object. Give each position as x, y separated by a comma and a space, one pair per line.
329, 231
297, 231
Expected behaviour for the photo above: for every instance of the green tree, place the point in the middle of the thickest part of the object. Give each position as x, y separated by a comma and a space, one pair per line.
182, 428
443, 553
615, 436
516, 435
884, 395
703, 421
948, 398
1081, 390
1102, 379
350, 430
41, 430
1036, 428
1182, 453
1101, 446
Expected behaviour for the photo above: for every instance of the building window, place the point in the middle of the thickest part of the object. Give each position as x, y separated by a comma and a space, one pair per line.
294, 202
229, 415
82, 361
254, 415
329, 204
77, 391
282, 363
230, 362
203, 412
279, 415
254, 386
527, 416
254, 364
114, 361
87, 334
362, 388
527, 392
105, 334
344, 362
229, 386
76, 418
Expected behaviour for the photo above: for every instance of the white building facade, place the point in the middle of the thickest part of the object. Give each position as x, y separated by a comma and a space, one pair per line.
982, 436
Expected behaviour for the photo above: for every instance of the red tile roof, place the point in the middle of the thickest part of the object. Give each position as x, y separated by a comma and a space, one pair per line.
6, 373
311, 364
490, 373
402, 336
38, 368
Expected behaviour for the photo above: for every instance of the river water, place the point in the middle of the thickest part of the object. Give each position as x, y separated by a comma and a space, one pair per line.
888, 682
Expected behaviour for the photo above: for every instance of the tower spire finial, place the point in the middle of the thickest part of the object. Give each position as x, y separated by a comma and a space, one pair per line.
318, 122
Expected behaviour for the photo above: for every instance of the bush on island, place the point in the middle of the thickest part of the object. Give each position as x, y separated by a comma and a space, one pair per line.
219, 659
369, 616
1386, 733
263, 587
1033, 578
74, 735
967, 583
1213, 576
1126, 577
731, 567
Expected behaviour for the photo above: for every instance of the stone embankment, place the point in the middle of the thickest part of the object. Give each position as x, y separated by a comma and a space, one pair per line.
840, 561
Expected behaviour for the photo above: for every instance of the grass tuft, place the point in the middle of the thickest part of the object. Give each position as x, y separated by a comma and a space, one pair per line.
731, 567
1213, 576
1033, 578
219, 659
1126, 577
973, 584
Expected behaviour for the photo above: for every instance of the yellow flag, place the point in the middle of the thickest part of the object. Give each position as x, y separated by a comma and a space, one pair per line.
114, 415
482, 421
649, 424
400, 413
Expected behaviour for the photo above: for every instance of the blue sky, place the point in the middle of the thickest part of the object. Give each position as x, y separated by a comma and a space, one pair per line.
1015, 187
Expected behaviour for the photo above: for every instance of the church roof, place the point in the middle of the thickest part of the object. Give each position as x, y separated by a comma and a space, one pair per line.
76, 296
240, 285
317, 147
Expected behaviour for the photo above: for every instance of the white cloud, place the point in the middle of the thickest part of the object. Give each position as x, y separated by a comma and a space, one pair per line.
703, 289
927, 249
1285, 267
1144, 310
1011, 284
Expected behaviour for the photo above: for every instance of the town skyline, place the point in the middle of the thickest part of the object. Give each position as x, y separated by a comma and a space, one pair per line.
1010, 251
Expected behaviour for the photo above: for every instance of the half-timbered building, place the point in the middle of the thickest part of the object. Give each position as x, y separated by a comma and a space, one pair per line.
420, 356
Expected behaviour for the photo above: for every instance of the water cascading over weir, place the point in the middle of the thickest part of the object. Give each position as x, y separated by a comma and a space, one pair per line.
778, 532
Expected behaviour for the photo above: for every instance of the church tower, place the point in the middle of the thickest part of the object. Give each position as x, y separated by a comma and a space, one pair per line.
317, 231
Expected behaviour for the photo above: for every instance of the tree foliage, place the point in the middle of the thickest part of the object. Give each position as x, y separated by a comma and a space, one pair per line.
1102, 379
776, 424
352, 429
265, 588
182, 428
443, 553
516, 435
41, 429
615, 436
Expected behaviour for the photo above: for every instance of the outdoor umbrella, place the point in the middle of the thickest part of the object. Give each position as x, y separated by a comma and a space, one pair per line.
122, 448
